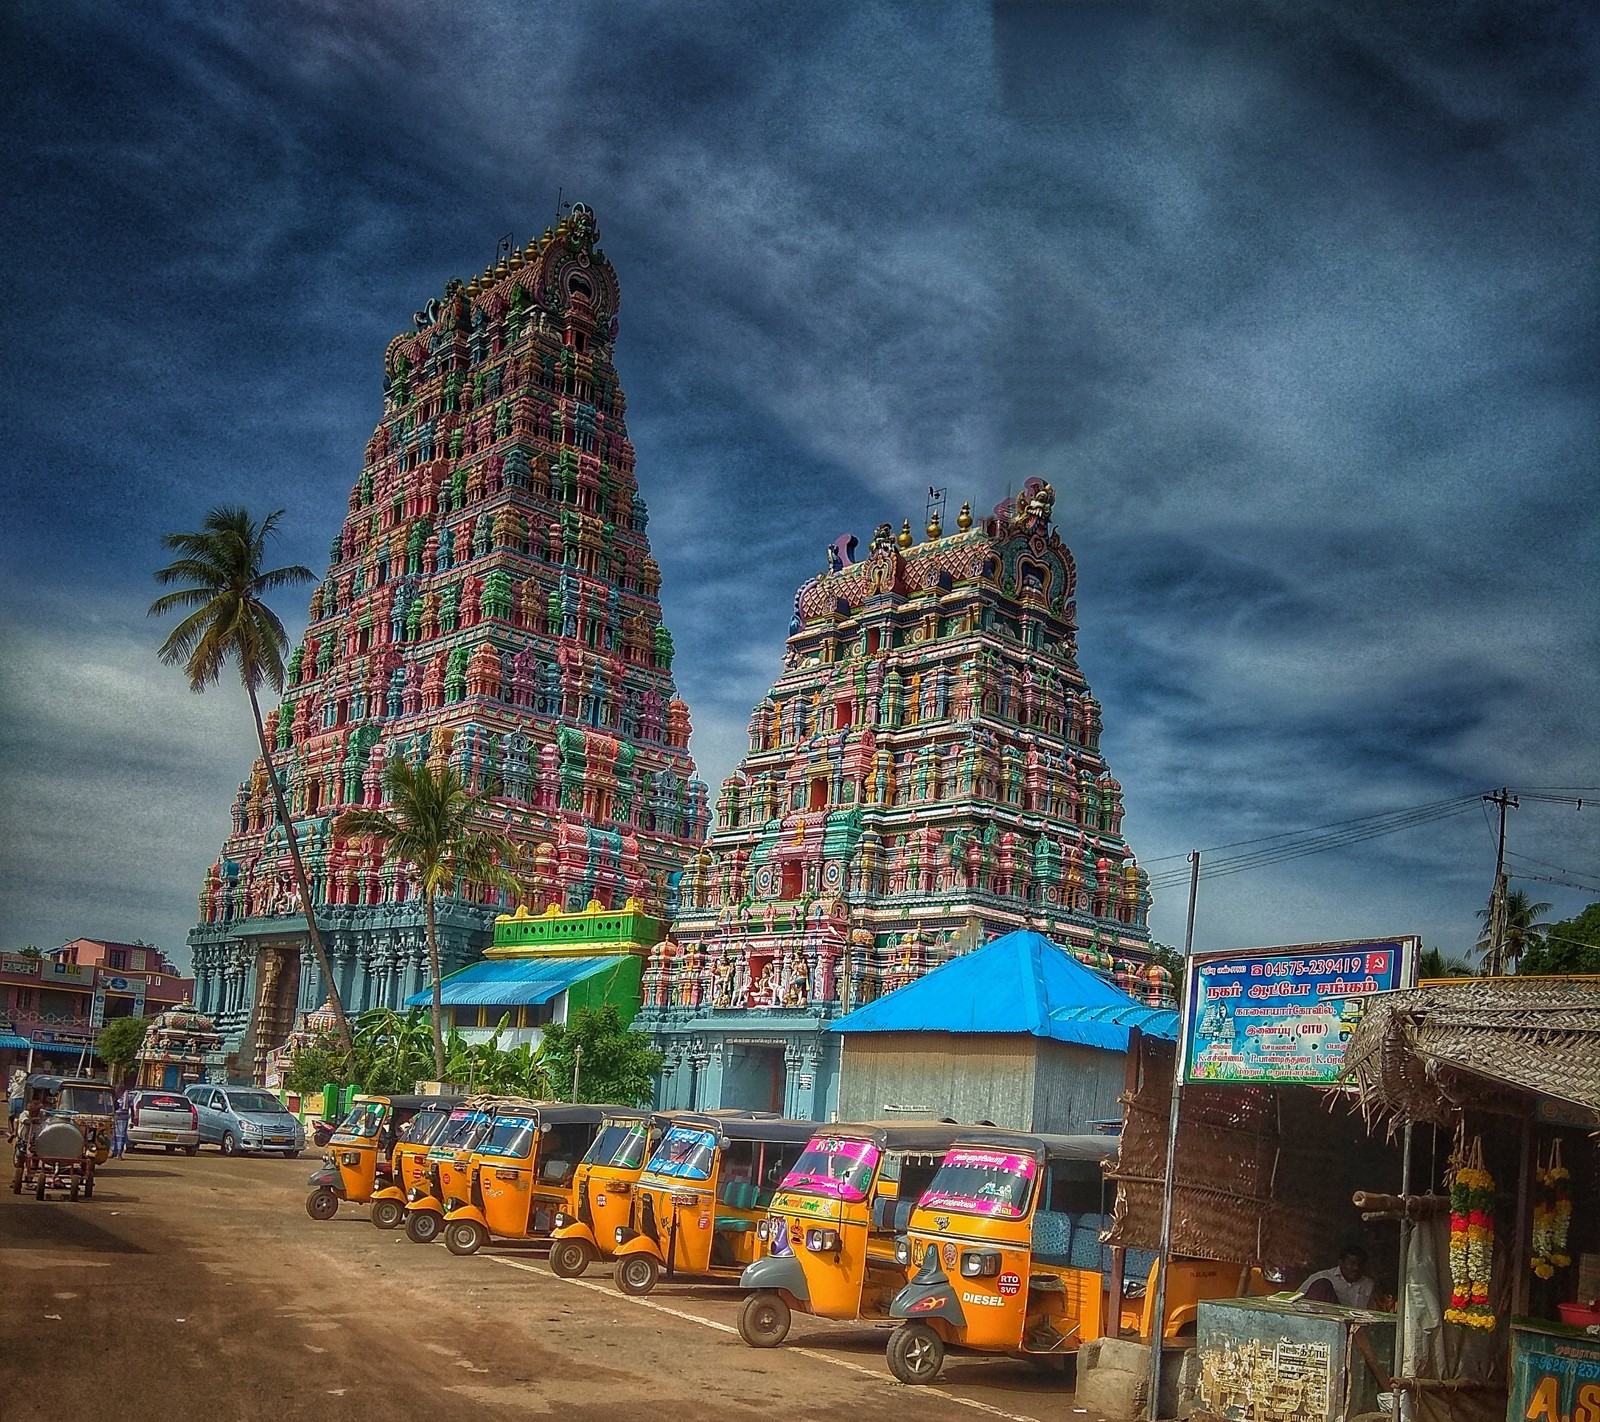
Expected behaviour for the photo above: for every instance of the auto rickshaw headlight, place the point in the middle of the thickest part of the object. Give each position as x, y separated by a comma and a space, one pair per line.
822, 1241
763, 1229
560, 1221
350, 1158
980, 1263
902, 1250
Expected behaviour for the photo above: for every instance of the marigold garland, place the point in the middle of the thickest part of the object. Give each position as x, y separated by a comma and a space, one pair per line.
1471, 1238
1552, 1214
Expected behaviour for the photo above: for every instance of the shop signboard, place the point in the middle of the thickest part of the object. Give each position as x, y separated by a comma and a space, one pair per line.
16, 963
97, 1008
1285, 1015
1554, 1378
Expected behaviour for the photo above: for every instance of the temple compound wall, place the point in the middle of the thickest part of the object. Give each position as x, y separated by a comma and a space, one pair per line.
490, 603
924, 775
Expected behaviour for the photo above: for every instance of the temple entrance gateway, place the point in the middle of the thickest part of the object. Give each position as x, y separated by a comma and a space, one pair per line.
277, 1000
754, 1077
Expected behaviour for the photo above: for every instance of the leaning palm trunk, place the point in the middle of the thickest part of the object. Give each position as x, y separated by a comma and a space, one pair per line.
438, 991
302, 885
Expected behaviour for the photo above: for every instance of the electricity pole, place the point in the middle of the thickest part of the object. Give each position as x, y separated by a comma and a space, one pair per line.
577, 1061
1494, 958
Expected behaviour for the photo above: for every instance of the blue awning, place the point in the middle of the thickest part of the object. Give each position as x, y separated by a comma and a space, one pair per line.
9, 1041
1019, 983
514, 982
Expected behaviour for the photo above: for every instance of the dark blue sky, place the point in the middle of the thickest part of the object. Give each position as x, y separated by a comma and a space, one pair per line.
1293, 302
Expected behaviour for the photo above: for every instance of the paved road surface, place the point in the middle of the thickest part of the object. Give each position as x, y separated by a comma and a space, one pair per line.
200, 1289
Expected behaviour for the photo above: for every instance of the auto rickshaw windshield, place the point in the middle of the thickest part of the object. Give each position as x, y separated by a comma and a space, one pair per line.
424, 1128
686, 1153
982, 1182
834, 1167
620, 1143
459, 1128
86, 1100
512, 1136
363, 1119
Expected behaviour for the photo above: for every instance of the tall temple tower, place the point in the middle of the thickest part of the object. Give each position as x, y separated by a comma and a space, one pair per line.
924, 774
490, 603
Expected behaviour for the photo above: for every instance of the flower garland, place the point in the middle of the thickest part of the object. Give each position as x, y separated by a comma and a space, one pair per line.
1471, 1238
1552, 1214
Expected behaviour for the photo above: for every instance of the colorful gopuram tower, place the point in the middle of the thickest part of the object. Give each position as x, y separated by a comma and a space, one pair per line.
490, 603
924, 774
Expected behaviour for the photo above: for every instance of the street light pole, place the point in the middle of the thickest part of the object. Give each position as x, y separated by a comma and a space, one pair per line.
1158, 1316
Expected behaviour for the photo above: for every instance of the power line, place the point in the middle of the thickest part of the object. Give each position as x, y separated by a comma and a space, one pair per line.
1330, 837
1316, 829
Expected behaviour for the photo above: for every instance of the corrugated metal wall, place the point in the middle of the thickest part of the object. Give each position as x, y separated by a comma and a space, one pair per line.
1027, 1083
1076, 1086
968, 1077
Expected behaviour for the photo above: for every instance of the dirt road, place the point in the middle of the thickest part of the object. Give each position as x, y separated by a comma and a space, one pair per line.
199, 1289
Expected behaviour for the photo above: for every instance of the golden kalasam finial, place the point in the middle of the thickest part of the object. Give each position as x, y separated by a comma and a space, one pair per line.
502, 271
531, 250
904, 540
935, 528
964, 518
472, 288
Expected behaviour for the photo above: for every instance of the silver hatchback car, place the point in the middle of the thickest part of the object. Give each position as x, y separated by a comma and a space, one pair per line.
244, 1120
163, 1118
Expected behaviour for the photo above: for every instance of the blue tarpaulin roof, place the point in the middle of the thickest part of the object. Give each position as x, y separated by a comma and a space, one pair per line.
11, 1042
1021, 982
513, 982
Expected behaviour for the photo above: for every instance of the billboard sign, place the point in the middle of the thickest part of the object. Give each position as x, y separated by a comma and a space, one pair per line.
1284, 1015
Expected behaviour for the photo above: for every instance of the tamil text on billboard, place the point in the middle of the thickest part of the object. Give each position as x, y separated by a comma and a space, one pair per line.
1283, 1014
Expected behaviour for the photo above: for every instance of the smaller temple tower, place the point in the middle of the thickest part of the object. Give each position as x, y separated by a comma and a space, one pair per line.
925, 774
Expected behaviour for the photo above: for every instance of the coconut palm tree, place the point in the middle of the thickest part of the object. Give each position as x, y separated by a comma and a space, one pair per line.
1519, 930
1435, 964
429, 831
221, 585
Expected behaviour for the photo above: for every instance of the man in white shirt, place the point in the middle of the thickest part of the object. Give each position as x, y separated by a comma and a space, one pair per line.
1348, 1284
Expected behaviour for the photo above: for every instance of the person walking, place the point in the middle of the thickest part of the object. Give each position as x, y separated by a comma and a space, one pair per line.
119, 1125
16, 1095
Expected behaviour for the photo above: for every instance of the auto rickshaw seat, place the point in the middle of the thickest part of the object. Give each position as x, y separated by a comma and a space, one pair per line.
883, 1208
740, 1195
1052, 1237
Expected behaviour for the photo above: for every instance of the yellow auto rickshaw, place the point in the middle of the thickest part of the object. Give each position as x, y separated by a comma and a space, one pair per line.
702, 1194
521, 1176
603, 1194
443, 1171
408, 1161
1005, 1245
831, 1231
359, 1164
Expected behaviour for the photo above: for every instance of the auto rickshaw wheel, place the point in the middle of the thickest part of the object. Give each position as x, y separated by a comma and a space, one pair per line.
73, 1189
322, 1204
569, 1258
637, 1273
387, 1214
422, 1226
916, 1353
38, 1192
465, 1236
88, 1188
764, 1320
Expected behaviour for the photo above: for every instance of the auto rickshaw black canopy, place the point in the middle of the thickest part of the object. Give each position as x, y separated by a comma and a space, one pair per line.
728, 1129
1096, 1148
